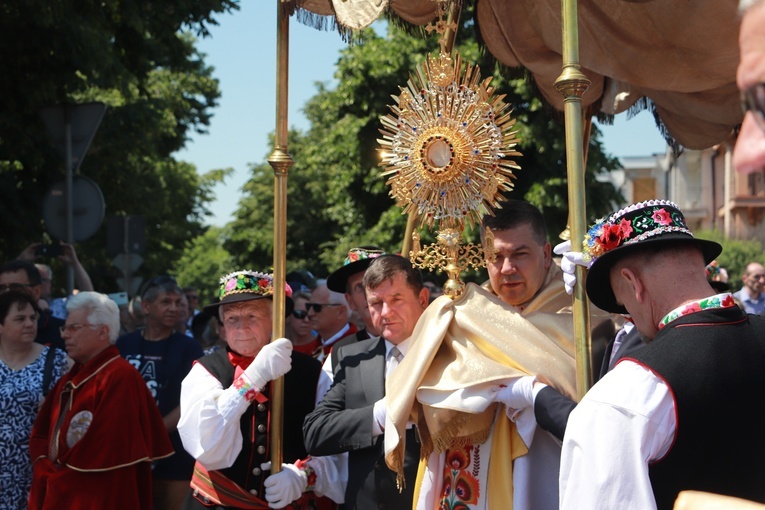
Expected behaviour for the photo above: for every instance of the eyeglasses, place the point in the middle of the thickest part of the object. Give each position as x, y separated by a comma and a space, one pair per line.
317, 306
300, 314
753, 100
74, 328
14, 286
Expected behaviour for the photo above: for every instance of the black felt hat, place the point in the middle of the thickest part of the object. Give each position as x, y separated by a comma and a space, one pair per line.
651, 222
358, 260
247, 286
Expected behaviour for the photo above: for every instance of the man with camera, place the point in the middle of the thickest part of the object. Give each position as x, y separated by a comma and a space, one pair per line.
67, 254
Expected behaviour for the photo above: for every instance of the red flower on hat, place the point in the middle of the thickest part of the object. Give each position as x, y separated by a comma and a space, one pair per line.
611, 236
662, 217
626, 228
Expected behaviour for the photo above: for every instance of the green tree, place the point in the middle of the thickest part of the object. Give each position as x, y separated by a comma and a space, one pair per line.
139, 59
202, 264
339, 198
736, 254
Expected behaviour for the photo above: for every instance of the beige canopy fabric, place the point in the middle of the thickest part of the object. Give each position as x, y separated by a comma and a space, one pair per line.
680, 56
358, 14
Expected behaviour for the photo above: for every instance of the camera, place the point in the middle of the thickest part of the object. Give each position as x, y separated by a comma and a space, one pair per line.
48, 250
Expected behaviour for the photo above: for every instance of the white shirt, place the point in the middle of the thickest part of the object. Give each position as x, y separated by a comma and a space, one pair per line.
624, 422
210, 431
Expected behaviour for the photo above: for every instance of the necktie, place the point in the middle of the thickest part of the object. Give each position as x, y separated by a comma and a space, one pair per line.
393, 362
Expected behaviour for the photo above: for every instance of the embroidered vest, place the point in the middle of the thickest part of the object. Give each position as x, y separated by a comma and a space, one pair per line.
299, 391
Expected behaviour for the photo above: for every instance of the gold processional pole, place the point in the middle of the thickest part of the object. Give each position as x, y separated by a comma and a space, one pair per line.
280, 161
572, 83
449, 34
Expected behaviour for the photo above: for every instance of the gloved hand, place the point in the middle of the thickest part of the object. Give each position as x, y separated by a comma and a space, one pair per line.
273, 361
284, 487
516, 395
379, 413
568, 264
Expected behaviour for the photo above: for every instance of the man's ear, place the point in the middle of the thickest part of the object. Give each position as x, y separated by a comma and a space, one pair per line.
548, 254
635, 283
423, 297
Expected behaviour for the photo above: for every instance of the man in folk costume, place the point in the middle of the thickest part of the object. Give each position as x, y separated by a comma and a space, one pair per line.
348, 279
225, 409
99, 430
647, 430
467, 355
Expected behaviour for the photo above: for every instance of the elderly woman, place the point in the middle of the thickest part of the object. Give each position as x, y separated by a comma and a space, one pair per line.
27, 371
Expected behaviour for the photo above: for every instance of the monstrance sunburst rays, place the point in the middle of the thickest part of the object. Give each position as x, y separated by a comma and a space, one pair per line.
447, 143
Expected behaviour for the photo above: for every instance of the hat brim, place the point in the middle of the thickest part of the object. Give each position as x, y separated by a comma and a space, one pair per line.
212, 308
599, 276
338, 281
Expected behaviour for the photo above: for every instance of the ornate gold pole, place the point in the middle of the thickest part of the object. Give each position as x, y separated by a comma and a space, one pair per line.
280, 161
572, 83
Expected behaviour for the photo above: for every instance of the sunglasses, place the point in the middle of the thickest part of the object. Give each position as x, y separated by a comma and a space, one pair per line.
317, 306
753, 100
299, 314
14, 286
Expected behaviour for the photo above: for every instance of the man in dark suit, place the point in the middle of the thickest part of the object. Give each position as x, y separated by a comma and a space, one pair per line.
351, 418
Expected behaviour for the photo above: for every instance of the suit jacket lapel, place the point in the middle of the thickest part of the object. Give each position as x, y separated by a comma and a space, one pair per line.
373, 373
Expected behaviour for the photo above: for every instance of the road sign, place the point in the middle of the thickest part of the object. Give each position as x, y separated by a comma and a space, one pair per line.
81, 119
127, 262
134, 284
87, 214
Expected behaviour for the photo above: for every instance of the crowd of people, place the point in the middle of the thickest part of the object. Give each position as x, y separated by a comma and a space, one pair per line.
395, 397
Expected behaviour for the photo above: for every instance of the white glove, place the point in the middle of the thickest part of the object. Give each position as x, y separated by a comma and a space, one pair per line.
568, 264
379, 414
516, 394
284, 487
273, 361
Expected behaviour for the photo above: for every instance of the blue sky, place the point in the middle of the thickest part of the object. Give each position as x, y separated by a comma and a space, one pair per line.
242, 49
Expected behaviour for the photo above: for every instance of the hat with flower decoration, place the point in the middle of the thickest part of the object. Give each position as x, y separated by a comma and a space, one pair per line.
358, 260
246, 286
641, 224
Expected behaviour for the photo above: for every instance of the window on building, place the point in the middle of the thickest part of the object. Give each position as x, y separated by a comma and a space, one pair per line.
643, 189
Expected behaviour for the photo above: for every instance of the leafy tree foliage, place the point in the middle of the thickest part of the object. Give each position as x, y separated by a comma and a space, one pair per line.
139, 59
736, 254
337, 198
202, 264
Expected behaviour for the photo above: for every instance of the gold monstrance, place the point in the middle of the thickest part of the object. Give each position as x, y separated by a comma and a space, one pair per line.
445, 147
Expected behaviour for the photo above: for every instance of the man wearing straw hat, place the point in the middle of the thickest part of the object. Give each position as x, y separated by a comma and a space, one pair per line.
225, 409
681, 413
